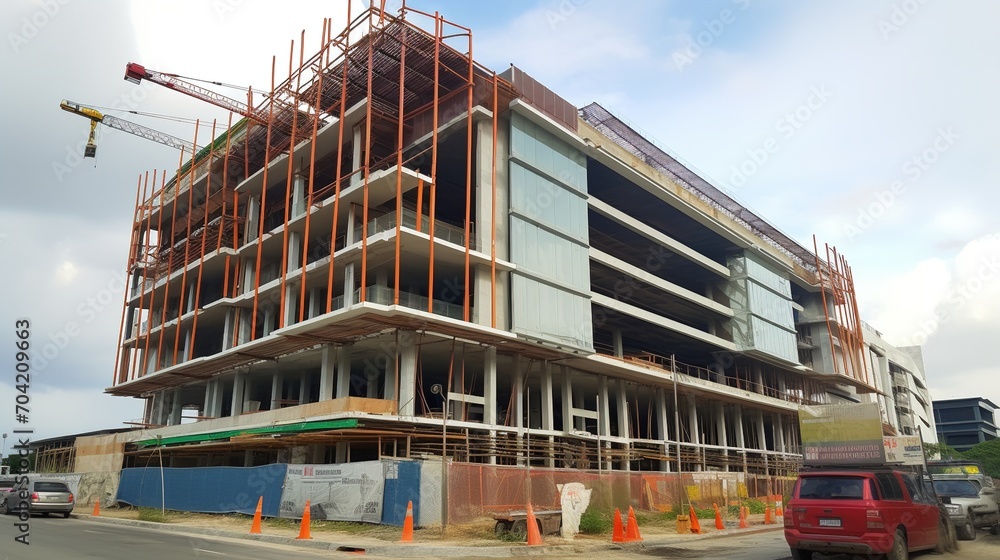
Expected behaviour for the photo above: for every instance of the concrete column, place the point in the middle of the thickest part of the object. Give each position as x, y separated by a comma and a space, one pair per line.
349, 285
662, 427
760, 429
371, 382
738, 415
518, 394
603, 407
779, 433
491, 222
228, 328
616, 335
253, 214
720, 426
188, 352
276, 387
298, 196
175, 409
152, 364
622, 406
693, 426
389, 390
490, 386
579, 423
315, 302
246, 325
344, 371
190, 304
408, 373
206, 409
268, 319
249, 275
328, 361
304, 388
567, 400
548, 417
343, 452
239, 385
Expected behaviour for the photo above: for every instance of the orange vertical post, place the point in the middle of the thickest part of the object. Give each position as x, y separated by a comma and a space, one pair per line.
262, 207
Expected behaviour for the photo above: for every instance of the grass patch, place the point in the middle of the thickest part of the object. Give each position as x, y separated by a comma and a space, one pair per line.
153, 515
596, 521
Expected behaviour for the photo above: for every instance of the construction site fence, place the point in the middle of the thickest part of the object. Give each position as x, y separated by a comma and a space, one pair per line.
476, 490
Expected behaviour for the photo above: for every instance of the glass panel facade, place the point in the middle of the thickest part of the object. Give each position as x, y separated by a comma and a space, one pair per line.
548, 238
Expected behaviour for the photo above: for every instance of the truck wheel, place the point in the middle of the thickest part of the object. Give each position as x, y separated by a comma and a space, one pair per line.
947, 541
501, 527
799, 554
966, 531
519, 529
900, 550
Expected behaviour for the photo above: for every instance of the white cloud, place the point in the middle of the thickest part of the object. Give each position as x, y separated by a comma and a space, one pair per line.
66, 273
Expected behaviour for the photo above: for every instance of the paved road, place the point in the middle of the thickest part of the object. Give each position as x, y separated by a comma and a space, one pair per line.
78, 539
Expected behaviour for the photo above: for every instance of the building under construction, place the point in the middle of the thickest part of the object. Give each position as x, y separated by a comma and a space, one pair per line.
402, 253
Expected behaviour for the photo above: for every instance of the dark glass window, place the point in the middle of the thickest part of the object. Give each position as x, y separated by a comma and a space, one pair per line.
889, 486
832, 488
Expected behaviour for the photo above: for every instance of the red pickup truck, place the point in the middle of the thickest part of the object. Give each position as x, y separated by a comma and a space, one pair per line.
866, 511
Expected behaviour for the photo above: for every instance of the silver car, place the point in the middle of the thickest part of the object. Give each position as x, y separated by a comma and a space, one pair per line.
39, 495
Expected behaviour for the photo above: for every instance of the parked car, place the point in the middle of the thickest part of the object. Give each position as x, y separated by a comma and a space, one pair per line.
864, 511
46, 495
968, 506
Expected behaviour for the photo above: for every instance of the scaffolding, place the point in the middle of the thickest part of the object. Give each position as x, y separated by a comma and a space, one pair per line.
389, 79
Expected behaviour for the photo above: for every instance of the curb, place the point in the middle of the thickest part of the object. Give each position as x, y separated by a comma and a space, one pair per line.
418, 550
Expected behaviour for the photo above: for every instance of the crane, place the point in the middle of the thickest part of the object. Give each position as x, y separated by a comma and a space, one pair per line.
96, 117
135, 73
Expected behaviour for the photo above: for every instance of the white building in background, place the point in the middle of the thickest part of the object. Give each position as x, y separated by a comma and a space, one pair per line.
899, 375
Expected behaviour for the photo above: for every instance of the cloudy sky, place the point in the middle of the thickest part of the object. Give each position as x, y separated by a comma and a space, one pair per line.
867, 123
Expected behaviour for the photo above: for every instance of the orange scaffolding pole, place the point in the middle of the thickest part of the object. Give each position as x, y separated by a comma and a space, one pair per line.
263, 200
468, 185
368, 143
434, 154
493, 209
187, 245
340, 163
204, 241
133, 248
312, 168
289, 181
399, 176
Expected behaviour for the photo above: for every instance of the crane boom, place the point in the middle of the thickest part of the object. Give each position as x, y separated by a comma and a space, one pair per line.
135, 73
96, 117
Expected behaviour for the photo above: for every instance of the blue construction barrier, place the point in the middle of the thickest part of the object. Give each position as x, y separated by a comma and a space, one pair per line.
402, 485
204, 489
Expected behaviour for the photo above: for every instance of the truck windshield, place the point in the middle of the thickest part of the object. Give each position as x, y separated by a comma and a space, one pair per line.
832, 488
956, 488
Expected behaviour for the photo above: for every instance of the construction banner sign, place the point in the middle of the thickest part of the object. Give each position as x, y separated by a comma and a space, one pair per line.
842, 434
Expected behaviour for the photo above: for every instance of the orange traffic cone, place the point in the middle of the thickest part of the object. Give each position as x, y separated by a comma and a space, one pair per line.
618, 533
718, 518
304, 526
97, 508
767, 514
408, 524
534, 536
780, 513
632, 527
743, 518
255, 528
695, 525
